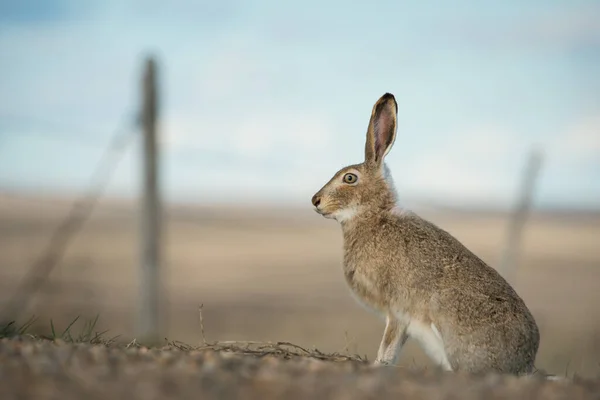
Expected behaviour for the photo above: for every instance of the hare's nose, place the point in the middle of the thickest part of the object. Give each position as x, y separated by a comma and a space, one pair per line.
316, 200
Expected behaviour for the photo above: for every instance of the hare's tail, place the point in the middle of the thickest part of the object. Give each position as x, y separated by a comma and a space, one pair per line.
556, 378
547, 376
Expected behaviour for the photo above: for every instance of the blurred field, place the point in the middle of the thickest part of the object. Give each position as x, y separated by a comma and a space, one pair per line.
274, 274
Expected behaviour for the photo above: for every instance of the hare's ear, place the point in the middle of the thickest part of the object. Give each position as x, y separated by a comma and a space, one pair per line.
382, 130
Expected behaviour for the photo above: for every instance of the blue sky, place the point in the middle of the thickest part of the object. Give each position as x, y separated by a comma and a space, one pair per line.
264, 100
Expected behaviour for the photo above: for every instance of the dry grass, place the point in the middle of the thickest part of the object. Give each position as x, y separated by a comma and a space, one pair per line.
88, 335
275, 276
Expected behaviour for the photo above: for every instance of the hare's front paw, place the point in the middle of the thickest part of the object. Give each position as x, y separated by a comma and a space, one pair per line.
382, 362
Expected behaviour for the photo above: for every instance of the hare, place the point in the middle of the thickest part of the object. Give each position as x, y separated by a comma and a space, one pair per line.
425, 283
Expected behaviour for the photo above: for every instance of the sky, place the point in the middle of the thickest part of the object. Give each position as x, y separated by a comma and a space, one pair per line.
264, 100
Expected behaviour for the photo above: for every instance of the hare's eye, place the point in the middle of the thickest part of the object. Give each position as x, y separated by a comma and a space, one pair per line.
350, 178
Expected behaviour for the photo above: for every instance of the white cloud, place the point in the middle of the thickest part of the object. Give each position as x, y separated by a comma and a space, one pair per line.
181, 130
260, 134
486, 143
292, 154
580, 143
486, 164
475, 164
279, 131
449, 176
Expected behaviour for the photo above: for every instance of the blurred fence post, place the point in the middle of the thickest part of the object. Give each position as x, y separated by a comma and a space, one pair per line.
510, 255
148, 314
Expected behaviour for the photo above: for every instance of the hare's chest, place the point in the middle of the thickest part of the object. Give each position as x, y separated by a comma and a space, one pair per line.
363, 287
362, 271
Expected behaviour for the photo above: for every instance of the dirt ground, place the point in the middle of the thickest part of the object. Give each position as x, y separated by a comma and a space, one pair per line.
274, 274
45, 370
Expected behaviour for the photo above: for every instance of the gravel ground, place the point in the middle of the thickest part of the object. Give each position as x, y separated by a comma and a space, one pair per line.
33, 369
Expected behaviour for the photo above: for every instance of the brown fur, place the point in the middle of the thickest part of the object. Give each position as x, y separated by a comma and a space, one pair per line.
419, 276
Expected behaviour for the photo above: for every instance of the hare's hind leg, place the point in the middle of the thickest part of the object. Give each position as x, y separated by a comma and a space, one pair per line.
393, 339
431, 342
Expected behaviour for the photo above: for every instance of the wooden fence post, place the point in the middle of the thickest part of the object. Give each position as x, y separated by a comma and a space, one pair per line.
510, 255
149, 306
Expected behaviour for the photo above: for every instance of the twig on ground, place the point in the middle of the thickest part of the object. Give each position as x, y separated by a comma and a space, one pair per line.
285, 350
282, 349
202, 324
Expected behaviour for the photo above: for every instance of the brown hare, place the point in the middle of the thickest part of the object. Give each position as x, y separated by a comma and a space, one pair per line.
424, 282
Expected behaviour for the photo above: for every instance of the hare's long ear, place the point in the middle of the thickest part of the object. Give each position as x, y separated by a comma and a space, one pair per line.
382, 130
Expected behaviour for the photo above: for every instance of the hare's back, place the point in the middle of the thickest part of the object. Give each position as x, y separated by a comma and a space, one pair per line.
449, 263
461, 282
